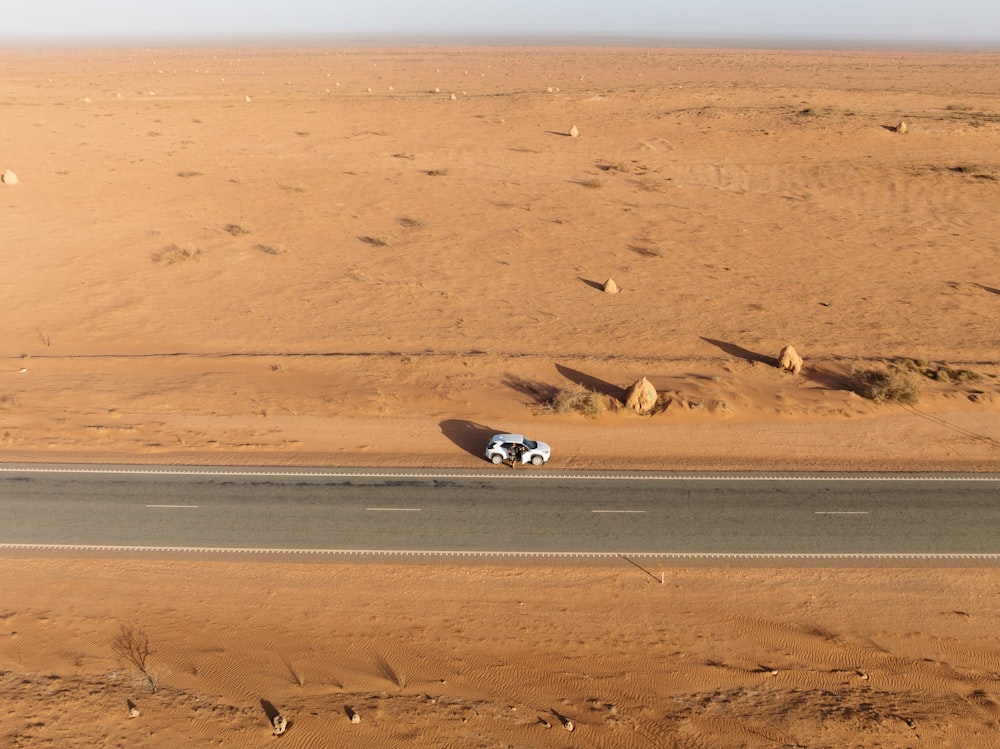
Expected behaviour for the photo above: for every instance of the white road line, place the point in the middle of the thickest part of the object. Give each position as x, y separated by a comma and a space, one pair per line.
393, 509
842, 512
621, 512
191, 507
936, 556
498, 475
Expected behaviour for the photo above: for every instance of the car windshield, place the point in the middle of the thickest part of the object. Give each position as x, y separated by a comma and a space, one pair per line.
529, 444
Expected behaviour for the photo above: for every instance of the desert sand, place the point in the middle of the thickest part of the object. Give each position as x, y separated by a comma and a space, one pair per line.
319, 256
380, 256
490, 655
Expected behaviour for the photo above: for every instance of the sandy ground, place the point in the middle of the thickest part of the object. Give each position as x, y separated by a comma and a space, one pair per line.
498, 656
381, 256
318, 256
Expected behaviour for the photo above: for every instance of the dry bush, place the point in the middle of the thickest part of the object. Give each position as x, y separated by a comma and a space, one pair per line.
375, 241
592, 183
575, 399
9, 402
885, 385
132, 646
238, 229
270, 249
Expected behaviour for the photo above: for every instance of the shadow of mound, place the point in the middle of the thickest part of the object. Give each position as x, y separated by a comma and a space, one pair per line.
592, 383
829, 378
593, 284
468, 435
538, 392
742, 353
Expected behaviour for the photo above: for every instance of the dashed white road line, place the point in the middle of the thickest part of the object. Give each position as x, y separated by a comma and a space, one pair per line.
393, 509
842, 512
620, 512
182, 507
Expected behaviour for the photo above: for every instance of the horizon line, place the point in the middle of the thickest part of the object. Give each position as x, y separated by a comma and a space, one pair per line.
761, 41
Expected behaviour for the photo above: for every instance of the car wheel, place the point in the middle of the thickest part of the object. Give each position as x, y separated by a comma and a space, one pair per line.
537, 460
497, 459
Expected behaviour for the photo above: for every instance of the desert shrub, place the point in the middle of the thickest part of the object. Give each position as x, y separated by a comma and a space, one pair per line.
238, 229
575, 399
173, 255
885, 385
270, 249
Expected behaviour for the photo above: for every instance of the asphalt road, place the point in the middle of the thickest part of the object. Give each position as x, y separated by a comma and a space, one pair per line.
497, 511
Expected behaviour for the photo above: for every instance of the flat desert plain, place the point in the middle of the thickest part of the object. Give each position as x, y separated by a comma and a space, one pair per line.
381, 255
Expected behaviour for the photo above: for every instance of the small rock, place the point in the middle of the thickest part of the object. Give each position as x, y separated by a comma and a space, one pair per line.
454, 98
278, 724
355, 718
610, 287
133, 712
247, 99
574, 132
568, 725
901, 128
9, 178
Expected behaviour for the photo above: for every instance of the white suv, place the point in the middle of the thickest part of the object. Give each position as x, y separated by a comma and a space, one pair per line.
516, 448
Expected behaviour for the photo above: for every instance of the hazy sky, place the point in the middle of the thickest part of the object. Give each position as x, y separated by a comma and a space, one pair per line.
927, 20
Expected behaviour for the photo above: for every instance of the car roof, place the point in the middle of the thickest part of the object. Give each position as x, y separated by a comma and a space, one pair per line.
507, 438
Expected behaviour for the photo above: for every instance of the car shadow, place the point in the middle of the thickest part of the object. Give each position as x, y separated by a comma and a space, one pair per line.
468, 435
592, 383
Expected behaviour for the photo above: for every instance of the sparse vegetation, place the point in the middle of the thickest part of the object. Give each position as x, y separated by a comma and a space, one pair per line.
173, 255
389, 673
132, 646
939, 372
270, 249
885, 385
437, 172
375, 241
575, 399
8, 402
411, 223
189, 174
238, 229
592, 183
